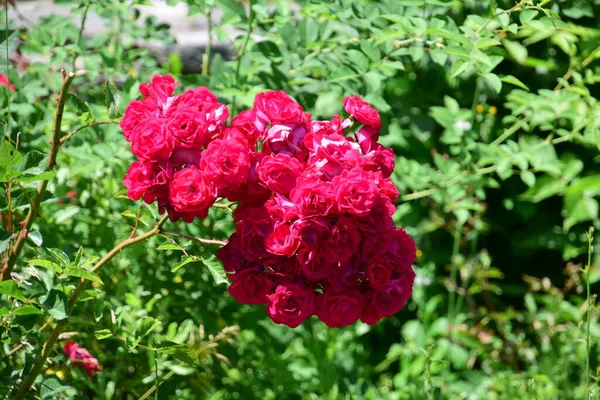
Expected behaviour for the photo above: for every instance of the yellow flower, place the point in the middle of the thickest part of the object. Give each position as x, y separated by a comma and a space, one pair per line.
419, 253
492, 110
479, 108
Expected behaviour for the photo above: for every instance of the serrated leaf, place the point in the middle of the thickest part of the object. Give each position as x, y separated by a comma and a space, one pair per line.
493, 81
28, 310
38, 262
103, 334
82, 273
145, 327
60, 256
80, 108
184, 261
112, 100
10, 157
57, 304
397, 65
516, 50
513, 81
11, 289
36, 237
43, 176
216, 270
169, 246
528, 178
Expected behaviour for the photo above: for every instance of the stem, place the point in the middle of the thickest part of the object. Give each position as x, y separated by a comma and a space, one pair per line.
509, 132
40, 362
206, 55
590, 235
475, 100
74, 131
453, 273
16, 248
194, 238
241, 55
83, 18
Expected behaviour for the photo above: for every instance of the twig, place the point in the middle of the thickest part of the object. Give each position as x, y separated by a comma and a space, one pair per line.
207, 50
241, 55
40, 362
196, 239
78, 43
16, 248
74, 131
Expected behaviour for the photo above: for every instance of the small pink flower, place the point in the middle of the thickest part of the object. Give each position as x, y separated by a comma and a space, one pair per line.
80, 356
5, 82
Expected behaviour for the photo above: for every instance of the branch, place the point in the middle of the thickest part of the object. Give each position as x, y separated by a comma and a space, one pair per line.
32, 214
74, 131
61, 325
194, 238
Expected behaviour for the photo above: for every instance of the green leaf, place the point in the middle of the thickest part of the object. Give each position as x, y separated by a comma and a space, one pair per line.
527, 15
60, 256
9, 158
44, 176
145, 327
493, 81
184, 261
38, 262
370, 50
216, 270
358, 60
57, 304
584, 209
11, 289
458, 67
80, 108
396, 65
103, 334
516, 50
82, 273
36, 238
528, 178
112, 100
169, 246
28, 310
513, 81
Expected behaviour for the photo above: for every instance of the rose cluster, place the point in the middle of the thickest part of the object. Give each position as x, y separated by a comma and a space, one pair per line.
314, 231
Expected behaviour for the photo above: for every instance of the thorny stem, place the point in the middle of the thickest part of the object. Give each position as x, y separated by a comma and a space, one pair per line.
241, 54
194, 238
78, 43
48, 346
16, 248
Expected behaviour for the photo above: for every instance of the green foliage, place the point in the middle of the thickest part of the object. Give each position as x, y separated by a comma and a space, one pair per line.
491, 109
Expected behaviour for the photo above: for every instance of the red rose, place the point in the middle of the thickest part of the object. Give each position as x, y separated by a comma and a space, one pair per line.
342, 242
252, 234
147, 180
315, 268
339, 307
313, 197
401, 250
250, 125
379, 273
279, 173
187, 127
137, 111
277, 107
377, 220
82, 357
231, 255
387, 302
286, 138
291, 304
367, 138
331, 154
250, 286
380, 159
355, 192
226, 163
362, 111
150, 141
281, 208
161, 88
282, 241
196, 98
191, 194
5, 82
